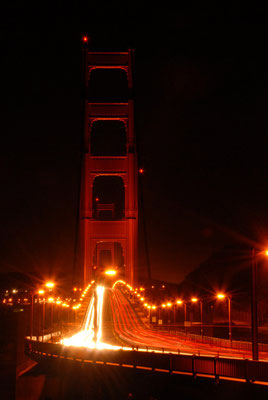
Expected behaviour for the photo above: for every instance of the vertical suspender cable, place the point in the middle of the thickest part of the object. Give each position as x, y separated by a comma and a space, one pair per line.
78, 212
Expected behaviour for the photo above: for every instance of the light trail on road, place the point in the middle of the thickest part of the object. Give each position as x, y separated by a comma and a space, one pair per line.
126, 330
90, 334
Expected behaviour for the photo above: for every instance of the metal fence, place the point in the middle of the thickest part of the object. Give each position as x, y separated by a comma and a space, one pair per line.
219, 342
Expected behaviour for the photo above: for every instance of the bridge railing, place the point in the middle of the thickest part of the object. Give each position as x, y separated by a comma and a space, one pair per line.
225, 343
213, 367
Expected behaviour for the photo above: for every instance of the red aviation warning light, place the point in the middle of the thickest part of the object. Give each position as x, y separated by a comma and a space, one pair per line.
141, 171
85, 39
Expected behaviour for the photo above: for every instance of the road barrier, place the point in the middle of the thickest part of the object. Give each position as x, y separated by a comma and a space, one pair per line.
225, 343
213, 367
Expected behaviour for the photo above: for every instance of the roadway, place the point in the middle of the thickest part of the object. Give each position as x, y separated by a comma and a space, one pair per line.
129, 330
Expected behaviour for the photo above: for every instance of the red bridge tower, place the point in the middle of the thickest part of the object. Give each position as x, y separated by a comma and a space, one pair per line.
109, 203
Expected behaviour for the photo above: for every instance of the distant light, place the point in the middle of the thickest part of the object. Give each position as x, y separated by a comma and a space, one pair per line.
75, 289
163, 286
152, 287
194, 299
221, 296
169, 304
41, 291
110, 272
141, 171
50, 299
163, 305
85, 39
50, 285
153, 307
266, 252
97, 199
179, 301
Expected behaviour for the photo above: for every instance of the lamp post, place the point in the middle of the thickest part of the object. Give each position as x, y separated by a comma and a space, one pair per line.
32, 314
254, 308
221, 296
50, 285
41, 291
185, 316
51, 301
201, 318
195, 300
169, 305
32, 309
254, 303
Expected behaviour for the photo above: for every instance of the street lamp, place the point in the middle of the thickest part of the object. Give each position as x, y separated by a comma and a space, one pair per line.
222, 296
32, 314
178, 302
110, 272
50, 285
195, 300
254, 303
39, 292
51, 301
169, 305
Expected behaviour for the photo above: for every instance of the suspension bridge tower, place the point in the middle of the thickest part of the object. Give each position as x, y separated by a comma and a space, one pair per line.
109, 201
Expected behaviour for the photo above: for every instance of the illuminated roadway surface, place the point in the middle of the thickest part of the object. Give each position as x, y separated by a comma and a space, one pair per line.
118, 325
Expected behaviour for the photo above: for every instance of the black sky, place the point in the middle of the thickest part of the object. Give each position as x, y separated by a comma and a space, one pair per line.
201, 124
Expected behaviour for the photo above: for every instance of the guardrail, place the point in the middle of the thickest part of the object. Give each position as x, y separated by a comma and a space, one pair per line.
234, 344
213, 367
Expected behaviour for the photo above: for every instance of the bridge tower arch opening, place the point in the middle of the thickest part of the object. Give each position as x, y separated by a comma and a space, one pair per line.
109, 201
108, 138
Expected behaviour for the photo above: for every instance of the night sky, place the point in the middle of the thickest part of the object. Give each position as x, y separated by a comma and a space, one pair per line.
201, 125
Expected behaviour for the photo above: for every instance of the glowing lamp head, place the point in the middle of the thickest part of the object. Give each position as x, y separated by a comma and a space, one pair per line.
220, 296
110, 272
41, 291
50, 285
169, 304
266, 253
50, 299
179, 301
194, 299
